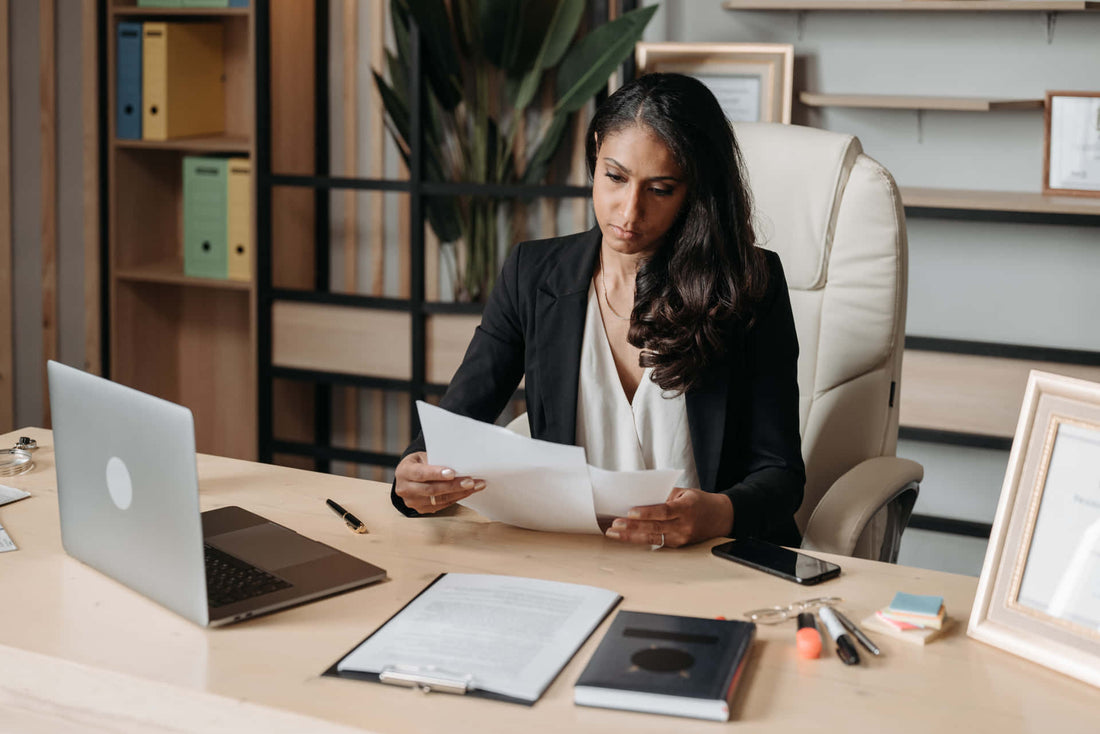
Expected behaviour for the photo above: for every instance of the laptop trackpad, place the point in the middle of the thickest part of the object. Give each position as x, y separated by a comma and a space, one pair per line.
270, 546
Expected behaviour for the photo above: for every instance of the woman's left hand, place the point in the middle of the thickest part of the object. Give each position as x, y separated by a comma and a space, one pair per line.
687, 516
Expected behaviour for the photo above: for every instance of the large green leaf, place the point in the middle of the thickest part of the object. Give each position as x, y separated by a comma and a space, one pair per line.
396, 109
400, 15
395, 99
557, 36
399, 80
440, 61
588, 65
443, 212
562, 28
500, 23
547, 147
435, 120
530, 34
465, 15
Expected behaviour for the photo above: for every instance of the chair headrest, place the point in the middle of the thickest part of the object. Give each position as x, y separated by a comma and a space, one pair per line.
797, 176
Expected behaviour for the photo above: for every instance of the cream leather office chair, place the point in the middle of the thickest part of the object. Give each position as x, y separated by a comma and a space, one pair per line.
835, 218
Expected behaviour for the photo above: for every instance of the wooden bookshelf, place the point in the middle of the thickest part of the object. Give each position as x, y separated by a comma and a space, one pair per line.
900, 102
169, 273
971, 394
189, 340
128, 11
918, 6
198, 144
999, 201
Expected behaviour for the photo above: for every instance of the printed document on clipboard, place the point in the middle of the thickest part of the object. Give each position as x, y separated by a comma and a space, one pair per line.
500, 637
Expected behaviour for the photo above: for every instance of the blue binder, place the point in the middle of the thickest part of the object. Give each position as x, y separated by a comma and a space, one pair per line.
128, 112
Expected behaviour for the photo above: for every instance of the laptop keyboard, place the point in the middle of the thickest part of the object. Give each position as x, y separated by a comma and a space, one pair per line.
230, 580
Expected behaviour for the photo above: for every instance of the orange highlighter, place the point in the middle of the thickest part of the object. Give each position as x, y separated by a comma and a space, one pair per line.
807, 639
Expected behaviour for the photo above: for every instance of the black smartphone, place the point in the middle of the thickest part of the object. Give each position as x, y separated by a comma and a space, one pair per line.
777, 560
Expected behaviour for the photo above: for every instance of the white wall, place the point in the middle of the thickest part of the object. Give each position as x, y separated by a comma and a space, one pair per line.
1010, 283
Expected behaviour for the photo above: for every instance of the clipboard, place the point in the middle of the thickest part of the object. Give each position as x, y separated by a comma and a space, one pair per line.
429, 679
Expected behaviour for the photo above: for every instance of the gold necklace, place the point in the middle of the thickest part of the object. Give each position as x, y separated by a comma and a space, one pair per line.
603, 283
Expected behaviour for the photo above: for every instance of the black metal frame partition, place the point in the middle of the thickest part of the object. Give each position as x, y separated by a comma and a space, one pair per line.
416, 305
419, 309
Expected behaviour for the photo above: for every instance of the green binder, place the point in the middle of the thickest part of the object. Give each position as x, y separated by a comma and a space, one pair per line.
205, 217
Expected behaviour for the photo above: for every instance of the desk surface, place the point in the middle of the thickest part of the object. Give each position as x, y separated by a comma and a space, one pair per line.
78, 651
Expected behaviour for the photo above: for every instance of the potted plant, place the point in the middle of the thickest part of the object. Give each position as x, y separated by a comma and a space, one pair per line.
484, 62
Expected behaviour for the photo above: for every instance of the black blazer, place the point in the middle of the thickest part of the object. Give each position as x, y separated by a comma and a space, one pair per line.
743, 416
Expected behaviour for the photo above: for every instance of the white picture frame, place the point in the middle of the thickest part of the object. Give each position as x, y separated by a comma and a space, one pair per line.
753, 82
1071, 145
1033, 596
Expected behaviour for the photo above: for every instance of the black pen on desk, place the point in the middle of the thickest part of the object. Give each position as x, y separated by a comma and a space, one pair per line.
353, 522
863, 639
845, 648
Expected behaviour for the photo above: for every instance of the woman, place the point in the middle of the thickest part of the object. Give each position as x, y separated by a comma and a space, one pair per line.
661, 339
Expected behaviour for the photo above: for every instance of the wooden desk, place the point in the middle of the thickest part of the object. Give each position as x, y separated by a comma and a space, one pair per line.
79, 651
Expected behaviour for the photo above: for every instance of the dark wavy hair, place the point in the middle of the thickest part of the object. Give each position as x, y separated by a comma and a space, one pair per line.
708, 271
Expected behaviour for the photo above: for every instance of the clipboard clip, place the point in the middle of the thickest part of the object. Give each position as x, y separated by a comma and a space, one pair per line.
427, 680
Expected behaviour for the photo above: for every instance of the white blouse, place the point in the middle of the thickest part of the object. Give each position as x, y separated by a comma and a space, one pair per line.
649, 433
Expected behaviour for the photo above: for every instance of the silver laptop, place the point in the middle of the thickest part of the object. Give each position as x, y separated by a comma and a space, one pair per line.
128, 492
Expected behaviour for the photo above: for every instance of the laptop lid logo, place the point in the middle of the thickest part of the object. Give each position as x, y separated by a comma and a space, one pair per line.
118, 483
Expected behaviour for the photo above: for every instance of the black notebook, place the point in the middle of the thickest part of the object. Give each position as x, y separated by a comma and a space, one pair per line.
666, 664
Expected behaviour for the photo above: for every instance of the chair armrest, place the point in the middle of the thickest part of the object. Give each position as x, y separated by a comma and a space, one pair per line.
520, 425
842, 515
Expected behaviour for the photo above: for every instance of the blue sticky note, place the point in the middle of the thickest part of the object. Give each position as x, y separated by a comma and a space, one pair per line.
916, 604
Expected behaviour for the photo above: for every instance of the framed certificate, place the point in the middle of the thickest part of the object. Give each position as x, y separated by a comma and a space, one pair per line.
752, 81
1071, 164
1039, 593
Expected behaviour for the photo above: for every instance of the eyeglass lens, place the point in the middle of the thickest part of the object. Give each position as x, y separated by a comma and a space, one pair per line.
776, 614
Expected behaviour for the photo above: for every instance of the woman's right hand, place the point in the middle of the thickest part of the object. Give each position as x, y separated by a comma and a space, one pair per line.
427, 489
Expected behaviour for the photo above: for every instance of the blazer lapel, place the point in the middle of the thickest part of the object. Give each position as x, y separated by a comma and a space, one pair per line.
707, 406
560, 303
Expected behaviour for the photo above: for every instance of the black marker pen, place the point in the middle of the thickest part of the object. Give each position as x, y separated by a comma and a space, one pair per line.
845, 648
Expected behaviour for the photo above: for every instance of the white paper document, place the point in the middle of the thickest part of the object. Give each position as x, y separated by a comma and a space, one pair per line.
6, 543
1062, 575
739, 95
615, 492
504, 634
11, 494
535, 484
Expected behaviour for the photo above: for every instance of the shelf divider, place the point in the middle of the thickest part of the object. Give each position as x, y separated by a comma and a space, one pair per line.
908, 102
967, 6
1001, 201
169, 273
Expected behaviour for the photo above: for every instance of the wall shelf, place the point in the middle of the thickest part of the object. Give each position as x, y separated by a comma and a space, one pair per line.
199, 144
179, 12
998, 201
900, 102
169, 273
970, 6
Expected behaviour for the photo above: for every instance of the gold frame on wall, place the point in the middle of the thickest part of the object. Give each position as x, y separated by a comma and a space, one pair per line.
999, 617
771, 63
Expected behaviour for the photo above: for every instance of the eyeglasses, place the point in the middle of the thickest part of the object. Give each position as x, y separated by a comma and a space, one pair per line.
777, 614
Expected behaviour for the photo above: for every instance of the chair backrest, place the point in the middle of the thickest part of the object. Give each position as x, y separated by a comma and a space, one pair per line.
835, 217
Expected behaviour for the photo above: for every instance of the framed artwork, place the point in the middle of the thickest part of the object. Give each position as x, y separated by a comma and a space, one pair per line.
752, 81
1071, 160
1039, 592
